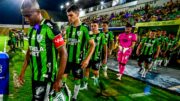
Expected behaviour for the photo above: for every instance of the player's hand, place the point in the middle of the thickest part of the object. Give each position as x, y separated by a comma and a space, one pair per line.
104, 61
110, 52
84, 63
57, 86
138, 53
21, 79
156, 56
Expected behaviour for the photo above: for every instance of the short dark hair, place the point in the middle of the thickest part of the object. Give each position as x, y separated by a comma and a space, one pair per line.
73, 8
128, 25
105, 22
95, 21
153, 30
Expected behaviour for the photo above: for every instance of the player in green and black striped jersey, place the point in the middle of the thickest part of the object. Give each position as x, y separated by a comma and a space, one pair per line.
44, 44
77, 34
110, 43
163, 41
147, 51
171, 47
100, 41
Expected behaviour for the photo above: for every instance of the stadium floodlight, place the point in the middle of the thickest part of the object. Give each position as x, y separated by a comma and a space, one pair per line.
67, 4
102, 2
62, 6
76, 1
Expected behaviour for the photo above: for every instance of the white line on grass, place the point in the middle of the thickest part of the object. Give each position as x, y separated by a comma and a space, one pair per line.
174, 87
5, 45
139, 94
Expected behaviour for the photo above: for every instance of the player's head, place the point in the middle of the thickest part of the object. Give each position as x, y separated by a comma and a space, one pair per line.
31, 11
94, 26
73, 13
171, 36
152, 33
164, 33
159, 33
128, 28
105, 25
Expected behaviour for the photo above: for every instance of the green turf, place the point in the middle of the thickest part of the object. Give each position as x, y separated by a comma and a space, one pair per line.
2, 41
118, 90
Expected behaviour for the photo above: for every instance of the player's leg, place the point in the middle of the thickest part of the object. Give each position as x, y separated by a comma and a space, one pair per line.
67, 71
84, 81
78, 75
41, 90
123, 61
140, 64
95, 67
147, 65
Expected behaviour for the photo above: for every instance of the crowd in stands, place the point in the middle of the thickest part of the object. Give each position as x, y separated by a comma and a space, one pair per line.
169, 11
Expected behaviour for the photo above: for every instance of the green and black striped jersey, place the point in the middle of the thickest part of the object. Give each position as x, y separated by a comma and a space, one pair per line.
100, 41
75, 43
171, 43
43, 54
149, 46
164, 43
109, 37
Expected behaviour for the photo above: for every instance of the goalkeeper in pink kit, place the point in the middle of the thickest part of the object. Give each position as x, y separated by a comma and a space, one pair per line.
127, 41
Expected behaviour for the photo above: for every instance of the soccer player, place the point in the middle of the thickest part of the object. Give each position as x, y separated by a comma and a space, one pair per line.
77, 34
44, 44
110, 42
127, 42
157, 62
94, 63
146, 51
172, 45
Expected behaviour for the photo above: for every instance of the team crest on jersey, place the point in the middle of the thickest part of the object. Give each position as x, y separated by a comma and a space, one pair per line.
98, 38
39, 38
79, 33
107, 35
130, 36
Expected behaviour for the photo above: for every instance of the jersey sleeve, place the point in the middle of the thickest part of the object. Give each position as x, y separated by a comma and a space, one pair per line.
54, 34
134, 38
103, 39
86, 33
111, 36
157, 43
53, 26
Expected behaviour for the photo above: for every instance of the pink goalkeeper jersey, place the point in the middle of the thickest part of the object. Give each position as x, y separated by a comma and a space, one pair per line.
125, 40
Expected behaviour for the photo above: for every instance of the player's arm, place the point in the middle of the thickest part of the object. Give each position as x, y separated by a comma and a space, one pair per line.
57, 39
26, 63
85, 62
91, 44
105, 49
111, 43
134, 39
138, 48
158, 49
62, 65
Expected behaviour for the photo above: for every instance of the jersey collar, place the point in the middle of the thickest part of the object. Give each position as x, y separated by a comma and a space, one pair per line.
78, 25
42, 22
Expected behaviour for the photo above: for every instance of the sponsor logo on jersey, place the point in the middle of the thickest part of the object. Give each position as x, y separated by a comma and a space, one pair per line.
130, 37
79, 33
35, 51
39, 38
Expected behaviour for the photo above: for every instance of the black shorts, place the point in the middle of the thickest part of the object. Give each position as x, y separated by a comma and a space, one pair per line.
40, 90
95, 65
145, 58
77, 71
